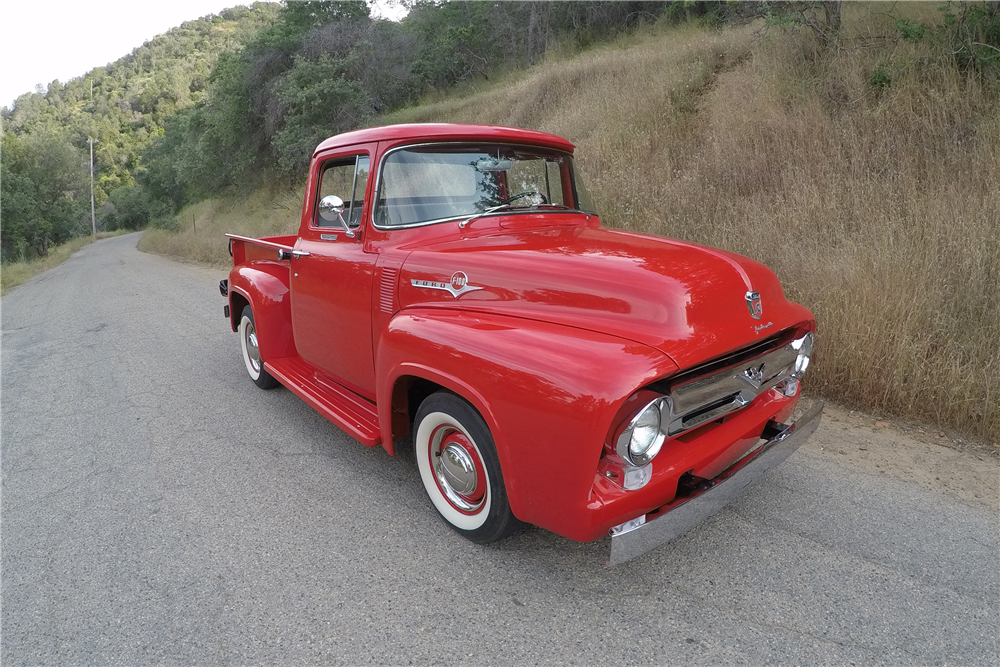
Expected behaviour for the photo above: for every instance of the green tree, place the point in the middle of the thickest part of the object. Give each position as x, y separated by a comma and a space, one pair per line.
44, 192
321, 101
321, 68
133, 208
124, 104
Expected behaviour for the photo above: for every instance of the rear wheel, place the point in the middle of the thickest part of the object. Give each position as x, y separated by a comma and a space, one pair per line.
460, 469
251, 352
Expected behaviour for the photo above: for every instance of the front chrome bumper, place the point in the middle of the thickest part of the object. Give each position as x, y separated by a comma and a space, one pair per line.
682, 515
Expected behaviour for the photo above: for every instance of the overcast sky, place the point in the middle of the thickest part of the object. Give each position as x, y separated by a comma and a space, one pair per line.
44, 40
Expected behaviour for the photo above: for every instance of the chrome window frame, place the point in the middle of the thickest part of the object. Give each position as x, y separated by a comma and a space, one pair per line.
453, 218
354, 189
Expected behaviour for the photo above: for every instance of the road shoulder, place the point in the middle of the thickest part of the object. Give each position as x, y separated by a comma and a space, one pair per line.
967, 471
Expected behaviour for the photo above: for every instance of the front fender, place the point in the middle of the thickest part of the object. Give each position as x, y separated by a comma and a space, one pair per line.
264, 285
548, 393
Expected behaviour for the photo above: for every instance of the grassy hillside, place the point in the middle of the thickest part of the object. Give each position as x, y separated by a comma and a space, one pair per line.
123, 106
865, 176
201, 228
125, 103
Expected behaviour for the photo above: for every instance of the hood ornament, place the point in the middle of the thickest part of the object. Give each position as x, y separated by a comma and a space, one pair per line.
458, 286
753, 305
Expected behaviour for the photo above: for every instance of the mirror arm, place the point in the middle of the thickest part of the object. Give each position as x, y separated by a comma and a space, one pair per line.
348, 232
334, 204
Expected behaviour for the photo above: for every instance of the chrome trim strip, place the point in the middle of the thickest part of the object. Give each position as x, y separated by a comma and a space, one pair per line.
694, 510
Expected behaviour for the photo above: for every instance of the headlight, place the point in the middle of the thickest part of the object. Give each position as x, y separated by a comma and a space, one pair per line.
804, 346
644, 436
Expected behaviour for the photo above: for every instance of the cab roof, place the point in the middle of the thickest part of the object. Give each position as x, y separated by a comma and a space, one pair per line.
419, 132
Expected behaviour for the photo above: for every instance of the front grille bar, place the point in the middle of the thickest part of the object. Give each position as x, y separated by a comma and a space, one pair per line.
708, 413
699, 400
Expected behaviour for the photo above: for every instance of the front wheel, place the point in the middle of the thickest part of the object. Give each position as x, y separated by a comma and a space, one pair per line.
460, 469
251, 352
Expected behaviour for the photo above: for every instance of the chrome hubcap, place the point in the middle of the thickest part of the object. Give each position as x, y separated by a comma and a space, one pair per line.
458, 470
253, 352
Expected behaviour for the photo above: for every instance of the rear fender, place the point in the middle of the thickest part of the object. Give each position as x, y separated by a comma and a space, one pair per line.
264, 285
549, 394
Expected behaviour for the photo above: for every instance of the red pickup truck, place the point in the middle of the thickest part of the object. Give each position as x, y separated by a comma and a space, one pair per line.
453, 283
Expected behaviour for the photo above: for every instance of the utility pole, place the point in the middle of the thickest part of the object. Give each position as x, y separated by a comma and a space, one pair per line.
93, 218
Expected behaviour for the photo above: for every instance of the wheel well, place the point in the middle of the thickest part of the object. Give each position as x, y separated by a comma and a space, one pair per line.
237, 303
407, 395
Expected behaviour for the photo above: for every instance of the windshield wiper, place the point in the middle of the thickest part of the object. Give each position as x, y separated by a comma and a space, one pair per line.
562, 207
540, 201
492, 209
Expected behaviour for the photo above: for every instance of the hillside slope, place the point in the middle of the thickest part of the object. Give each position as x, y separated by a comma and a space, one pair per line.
123, 106
865, 176
125, 103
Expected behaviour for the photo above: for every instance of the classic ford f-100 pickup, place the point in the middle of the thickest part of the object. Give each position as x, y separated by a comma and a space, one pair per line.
453, 283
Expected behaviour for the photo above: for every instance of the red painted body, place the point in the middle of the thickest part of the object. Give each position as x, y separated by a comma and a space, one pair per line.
571, 325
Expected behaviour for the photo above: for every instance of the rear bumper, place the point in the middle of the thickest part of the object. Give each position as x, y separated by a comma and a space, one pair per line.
681, 515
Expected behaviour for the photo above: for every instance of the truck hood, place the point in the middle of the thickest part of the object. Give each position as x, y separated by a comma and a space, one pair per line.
686, 300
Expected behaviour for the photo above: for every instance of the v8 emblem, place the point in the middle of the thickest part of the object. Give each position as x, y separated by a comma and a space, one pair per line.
753, 376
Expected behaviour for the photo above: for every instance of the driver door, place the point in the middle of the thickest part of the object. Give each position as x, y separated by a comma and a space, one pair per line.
331, 281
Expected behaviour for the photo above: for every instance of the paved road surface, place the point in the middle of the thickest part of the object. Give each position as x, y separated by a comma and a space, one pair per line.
157, 508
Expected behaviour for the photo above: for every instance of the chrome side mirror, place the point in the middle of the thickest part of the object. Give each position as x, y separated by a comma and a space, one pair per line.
331, 209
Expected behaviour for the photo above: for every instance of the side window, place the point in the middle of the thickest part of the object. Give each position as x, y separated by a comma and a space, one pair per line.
348, 180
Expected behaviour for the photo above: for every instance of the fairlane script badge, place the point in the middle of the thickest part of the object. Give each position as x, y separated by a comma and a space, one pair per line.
753, 304
458, 286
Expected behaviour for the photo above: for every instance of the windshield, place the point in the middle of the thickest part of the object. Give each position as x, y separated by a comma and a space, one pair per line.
424, 184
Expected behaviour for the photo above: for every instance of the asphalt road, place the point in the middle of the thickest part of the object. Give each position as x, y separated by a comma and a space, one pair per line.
158, 508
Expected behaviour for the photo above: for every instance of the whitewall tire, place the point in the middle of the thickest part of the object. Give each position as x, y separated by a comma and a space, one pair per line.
460, 469
251, 352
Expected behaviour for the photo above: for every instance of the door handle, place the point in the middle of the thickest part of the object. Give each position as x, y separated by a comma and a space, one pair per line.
299, 253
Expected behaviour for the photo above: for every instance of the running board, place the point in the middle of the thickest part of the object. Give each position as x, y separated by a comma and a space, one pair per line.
354, 414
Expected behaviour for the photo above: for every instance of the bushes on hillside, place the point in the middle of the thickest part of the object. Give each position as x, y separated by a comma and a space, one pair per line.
327, 67
44, 193
123, 105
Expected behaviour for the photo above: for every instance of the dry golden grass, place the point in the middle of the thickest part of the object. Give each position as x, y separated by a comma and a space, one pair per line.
13, 274
203, 226
878, 209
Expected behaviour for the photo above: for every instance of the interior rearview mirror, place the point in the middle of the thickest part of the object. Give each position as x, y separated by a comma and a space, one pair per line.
490, 164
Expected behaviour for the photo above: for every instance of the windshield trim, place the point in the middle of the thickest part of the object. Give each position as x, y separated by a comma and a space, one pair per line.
438, 221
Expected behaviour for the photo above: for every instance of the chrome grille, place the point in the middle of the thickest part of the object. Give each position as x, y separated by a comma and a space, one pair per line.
723, 389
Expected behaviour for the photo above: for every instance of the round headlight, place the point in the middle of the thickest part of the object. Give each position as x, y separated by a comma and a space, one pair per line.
644, 436
804, 346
